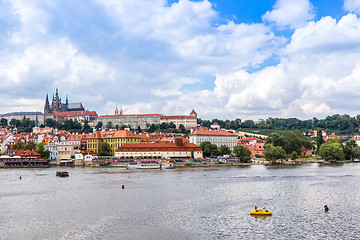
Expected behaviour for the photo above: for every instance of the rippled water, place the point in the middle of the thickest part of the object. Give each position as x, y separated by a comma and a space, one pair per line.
198, 203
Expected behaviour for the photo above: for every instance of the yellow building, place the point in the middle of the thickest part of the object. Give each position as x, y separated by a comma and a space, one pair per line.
115, 139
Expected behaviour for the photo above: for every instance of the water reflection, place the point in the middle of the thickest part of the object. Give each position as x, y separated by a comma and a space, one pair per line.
331, 164
260, 217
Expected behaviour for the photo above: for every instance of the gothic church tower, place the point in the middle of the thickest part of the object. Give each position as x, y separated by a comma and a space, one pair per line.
47, 105
55, 104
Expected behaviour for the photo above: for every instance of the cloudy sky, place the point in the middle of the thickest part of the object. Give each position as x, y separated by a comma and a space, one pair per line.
224, 58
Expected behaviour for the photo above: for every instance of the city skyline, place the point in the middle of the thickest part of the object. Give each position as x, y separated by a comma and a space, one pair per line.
226, 59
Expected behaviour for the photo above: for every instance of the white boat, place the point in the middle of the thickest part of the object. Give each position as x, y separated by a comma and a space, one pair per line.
167, 165
151, 165
144, 165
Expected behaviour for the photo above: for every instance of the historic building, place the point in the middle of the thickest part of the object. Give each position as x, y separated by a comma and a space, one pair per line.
215, 137
57, 106
165, 150
144, 121
37, 117
188, 121
115, 139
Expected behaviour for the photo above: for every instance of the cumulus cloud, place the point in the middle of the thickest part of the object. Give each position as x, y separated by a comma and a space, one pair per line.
149, 50
318, 75
140, 54
290, 13
352, 6
327, 35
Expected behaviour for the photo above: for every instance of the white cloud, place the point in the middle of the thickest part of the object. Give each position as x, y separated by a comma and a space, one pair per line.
318, 75
150, 53
352, 6
290, 13
327, 35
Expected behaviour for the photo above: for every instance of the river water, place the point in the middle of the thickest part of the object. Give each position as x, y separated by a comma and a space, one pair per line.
187, 203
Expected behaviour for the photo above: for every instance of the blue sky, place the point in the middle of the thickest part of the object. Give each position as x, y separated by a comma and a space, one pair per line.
226, 59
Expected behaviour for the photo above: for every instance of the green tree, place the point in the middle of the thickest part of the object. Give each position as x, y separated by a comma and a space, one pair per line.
19, 145
248, 124
86, 128
294, 155
30, 145
49, 122
109, 125
139, 129
223, 150
105, 149
276, 139
209, 149
99, 125
243, 153
182, 129
15, 123
356, 152
172, 125
3, 122
71, 125
273, 153
152, 128
164, 125
319, 139
332, 151
41, 149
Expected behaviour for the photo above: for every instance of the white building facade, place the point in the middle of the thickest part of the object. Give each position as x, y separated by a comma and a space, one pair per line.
215, 137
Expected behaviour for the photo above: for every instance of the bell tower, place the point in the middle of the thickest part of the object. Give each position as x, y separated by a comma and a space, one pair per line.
55, 104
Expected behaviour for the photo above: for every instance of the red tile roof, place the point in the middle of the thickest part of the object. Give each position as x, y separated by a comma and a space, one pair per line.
158, 147
26, 153
75, 113
212, 132
113, 134
178, 117
130, 115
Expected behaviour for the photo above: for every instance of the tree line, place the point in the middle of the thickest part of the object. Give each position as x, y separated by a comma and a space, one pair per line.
338, 124
285, 144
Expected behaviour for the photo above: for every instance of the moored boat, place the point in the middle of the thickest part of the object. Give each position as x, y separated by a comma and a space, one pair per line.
62, 174
144, 165
150, 165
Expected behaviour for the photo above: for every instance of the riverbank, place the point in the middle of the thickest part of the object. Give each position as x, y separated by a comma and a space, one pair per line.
206, 163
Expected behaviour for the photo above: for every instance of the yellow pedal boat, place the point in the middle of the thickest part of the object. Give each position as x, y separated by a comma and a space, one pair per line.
260, 212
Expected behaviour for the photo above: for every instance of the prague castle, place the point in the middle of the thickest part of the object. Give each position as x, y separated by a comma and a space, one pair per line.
57, 106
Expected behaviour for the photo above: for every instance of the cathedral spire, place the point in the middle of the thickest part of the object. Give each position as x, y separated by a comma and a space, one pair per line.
67, 100
57, 95
116, 110
47, 105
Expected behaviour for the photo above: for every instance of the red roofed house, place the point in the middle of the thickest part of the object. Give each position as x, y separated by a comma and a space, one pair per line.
164, 150
255, 145
326, 138
23, 158
115, 139
218, 138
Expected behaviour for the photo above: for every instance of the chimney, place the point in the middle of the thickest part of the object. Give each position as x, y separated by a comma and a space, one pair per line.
179, 142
